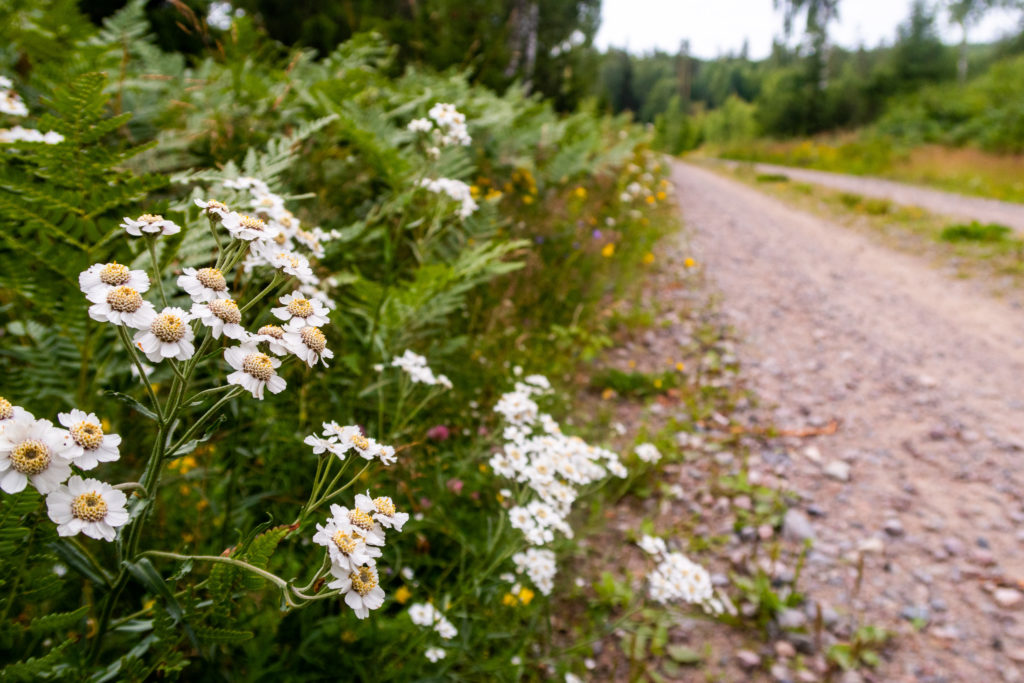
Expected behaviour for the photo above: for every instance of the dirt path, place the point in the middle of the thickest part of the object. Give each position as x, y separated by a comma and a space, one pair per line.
946, 203
923, 477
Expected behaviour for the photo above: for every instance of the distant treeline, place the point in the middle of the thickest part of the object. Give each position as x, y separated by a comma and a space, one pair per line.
909, 89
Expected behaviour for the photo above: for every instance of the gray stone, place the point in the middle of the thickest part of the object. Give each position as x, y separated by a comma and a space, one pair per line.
796, 526
1008, 598
838, 470
791, 619
893, 527
785, 649
748, 659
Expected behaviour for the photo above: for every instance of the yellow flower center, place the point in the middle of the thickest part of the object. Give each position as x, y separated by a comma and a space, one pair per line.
300, 308
31, 457
87, 435
360, 441
280, 238
385, 506
6, 409
226, 310
271, 331
345, 542
114, 274
252, 223
214, 204
150, 218
89, 506
360, 519
168, 328
313, 338
212, 279
124, 300
363, 580
259, 366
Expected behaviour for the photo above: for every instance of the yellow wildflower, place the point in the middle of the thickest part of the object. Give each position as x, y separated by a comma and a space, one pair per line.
402, 595
662, 196
650, 199
649, 258
689, 262
474, 191
609, 250
525, 595
581, 192
607, 393
527, 199
509, 600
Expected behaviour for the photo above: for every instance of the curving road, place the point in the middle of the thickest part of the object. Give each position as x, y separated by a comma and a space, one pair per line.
927, 377
946, 203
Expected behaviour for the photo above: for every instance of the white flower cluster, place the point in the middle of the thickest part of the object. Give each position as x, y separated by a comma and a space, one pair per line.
553, 466
649, 180
339, 440
34, 451
539, 565
354, 538
426, 615
677, 578
648, 452
12, 104
416, 367
446, 125
457, 190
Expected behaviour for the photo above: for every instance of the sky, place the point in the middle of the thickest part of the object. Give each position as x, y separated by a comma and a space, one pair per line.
717, 27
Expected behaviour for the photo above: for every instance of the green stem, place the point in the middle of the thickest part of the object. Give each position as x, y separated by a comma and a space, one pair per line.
266, 290
151, 243
205, 416
332, 494
123, 334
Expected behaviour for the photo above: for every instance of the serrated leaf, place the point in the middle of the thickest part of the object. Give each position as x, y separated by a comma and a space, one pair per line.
683, 654
221, 635
57, 621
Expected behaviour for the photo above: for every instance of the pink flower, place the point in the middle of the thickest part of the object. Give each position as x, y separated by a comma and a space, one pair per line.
455, 486
438, 433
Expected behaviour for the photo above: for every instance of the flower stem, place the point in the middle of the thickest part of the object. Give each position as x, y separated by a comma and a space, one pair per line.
157, 275
123, 334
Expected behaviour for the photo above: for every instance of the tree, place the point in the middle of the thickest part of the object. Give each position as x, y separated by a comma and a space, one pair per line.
966, 14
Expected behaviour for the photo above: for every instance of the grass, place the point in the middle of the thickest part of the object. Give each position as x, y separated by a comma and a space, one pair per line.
965, 170
989, 252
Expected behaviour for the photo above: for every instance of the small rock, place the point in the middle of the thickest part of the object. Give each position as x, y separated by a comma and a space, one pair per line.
939, 605
780, 672
982, 542
947, 632
1016, 654
765, 532
982, 558
838, 470
742, 503
806, 676
812, 453
719, 580
851, 677
748, 659
815, 511
791, 619
872, 545
893, 527
915, 613
796, 526
953, 545
1008, 598
725, 458
784, 649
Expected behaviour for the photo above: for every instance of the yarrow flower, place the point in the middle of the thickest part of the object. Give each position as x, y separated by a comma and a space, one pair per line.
455, 189
382, 510
248, 228
19, 134
676, 578
87, 445
167, 336
33, 451
297, 311
451, 125
416, 367
204, 284
212, 207
309, 344
434, 654
122, 305
222, 316
648, 452
361, 588
345, 542
9, 411
99, 279
87, 506
254, 370
273, 337
11, 102
150, 224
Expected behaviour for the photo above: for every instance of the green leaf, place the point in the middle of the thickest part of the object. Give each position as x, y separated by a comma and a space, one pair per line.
221, 635
57, 621
34, 668
78, 561
683, 654
145, 573
142, 410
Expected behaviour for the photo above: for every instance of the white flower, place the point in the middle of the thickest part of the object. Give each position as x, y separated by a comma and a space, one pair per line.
451, 125
222, 316
446, 629
273, 336
205, 284
382, 509
150, 224
572, 678
434, 654
19, 134
248, 183
652, 545
345, 543
248, 228
285, 260
212, 207
456, 189
254, 370
11, 103
361, 588
648, 452
98, 279
88, 506
9, 411
167, 336
122, 306
319, 444
88, 446
309, 344
386, 454
299, 312
416, 367
32, 450
424, 614
420, 126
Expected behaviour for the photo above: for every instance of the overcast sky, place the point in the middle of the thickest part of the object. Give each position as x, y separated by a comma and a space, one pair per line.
715, 27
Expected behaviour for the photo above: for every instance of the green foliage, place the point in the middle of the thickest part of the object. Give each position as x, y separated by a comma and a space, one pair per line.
976, 232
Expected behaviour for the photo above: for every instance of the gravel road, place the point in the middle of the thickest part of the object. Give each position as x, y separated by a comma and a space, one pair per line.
926, 375
958, 206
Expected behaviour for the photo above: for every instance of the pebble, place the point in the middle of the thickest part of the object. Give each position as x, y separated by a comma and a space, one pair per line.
1008, 598
953, 545
982, 558
785, 649
893, 527
806, 676
748, 659
915, 613
742, 503
796, 526
724, 458
791, 619
872, 545
780, 672
838, 470
765, 532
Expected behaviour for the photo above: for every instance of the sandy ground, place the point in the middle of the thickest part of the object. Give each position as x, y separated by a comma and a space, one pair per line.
945, 203
922, 480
